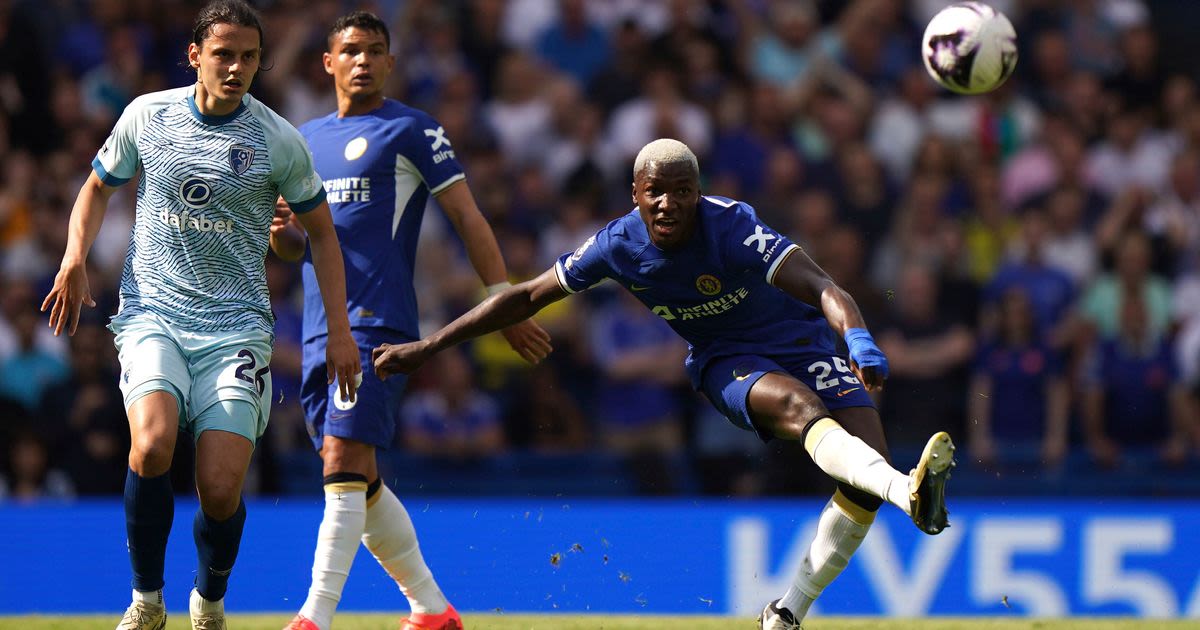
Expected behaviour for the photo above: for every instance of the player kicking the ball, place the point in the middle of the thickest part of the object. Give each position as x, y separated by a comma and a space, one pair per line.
760, 318
382, 160
195, 328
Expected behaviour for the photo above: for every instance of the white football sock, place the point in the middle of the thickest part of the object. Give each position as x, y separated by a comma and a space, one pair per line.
391, 538
153, 598
840, 531
850, 460
337, 542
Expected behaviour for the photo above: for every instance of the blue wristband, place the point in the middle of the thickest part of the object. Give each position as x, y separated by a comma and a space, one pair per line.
864, 352
856, 336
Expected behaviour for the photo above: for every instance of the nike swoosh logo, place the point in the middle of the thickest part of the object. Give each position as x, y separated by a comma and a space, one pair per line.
847, 391
634, 287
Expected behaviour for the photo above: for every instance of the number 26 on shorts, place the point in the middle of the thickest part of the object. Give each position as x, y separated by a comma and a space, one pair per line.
246, 371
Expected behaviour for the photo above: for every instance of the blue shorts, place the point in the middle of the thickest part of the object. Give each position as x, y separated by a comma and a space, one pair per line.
372, 420
727, 382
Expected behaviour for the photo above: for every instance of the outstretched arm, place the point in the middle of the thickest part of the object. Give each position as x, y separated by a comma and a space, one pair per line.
71, 289
510, 306
801, 278
526, 337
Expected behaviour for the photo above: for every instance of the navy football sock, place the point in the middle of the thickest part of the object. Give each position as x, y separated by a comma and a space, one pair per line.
149, 511
217, 548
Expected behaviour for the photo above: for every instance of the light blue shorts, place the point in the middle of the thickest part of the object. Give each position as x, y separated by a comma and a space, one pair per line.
199, 369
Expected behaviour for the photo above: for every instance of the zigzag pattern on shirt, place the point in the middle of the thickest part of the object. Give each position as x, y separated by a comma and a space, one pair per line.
200, 236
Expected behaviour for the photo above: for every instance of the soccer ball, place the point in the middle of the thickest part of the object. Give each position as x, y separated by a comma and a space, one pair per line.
969, 48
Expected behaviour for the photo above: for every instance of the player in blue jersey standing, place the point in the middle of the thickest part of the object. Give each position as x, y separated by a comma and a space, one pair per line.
381, 160
194, 329
760, 318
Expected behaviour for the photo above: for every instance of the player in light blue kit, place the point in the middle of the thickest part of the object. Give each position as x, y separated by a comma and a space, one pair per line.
194, 329
760, 317
381, 160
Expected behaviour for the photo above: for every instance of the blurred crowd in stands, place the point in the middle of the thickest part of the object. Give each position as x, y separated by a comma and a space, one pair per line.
1029, 260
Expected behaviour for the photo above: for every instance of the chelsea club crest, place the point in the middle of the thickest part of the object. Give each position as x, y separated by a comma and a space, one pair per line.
240, 158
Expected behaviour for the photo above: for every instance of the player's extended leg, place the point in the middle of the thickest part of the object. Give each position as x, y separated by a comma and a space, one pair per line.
786, 408
841, 528
149, 501
222, 459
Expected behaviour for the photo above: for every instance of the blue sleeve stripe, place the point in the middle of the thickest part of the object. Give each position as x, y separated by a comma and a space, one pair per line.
108, 178
300, 207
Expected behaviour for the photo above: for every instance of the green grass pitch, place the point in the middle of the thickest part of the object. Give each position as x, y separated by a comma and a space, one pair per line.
179, 621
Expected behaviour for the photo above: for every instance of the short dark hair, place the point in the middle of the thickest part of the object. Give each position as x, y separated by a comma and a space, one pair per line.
235, 12
365, 20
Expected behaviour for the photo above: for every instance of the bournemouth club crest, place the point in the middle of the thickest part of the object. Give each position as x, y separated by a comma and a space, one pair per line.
240, 158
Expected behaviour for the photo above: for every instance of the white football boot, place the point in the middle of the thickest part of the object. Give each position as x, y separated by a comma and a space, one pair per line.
206, 615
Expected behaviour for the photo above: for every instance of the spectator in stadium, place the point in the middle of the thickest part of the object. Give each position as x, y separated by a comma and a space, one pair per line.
1018, 401
574, 44
638, 357
84, 416
1069, 245
30, 475
1174, 217
1102, 304
550, 419
1133, 153
989, 227
1133, 399
1050, 290
30, 370
453, 420
928, 353
739, 326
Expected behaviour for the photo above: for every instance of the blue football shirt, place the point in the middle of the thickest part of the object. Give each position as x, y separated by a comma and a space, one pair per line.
379, 170
715, 291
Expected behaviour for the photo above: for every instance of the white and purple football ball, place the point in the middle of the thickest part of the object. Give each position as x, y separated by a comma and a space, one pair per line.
969, 48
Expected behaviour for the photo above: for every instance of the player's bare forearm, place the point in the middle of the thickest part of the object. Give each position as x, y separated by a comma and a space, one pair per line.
482, 249
328, 265
801, 278
525, 337
71, 288
840, 309
514, 304
87, 216
341, 352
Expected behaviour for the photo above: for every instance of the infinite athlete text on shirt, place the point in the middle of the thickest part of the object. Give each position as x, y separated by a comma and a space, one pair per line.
348, 189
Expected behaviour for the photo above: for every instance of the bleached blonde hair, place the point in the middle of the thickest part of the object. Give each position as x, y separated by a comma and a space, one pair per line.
665, 151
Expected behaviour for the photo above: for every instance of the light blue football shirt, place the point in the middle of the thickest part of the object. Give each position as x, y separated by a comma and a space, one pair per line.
204, 207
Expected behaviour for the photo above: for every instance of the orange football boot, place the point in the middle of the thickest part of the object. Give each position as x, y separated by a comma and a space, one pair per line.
448, 620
